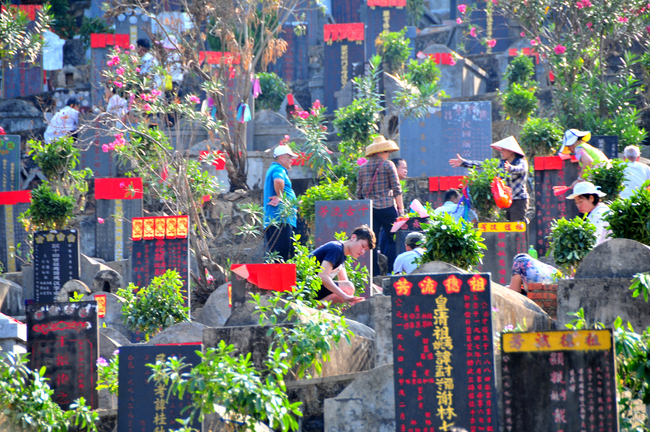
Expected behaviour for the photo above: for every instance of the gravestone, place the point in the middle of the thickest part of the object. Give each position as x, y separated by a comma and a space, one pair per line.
294, 63
438, 186
134, 23
500, 30
428, 143
443, 355
160, 244
63, 337
346, 11
344, 216
102, 164
118, 201
503, 240
608, 144
142, 404
561, 380
12, 204
56, 261
23, 79
100, 45
9, 162
412, 225
551, 171
379, 16
343, 51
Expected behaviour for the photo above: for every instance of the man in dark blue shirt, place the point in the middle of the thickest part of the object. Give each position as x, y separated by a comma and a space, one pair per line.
331, 257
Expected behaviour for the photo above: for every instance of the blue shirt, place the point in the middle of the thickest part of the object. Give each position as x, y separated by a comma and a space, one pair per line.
332, 252
272, 213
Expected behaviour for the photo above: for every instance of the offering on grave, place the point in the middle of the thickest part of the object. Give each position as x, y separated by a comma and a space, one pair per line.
56, 261
9, 163
559, 381
14, 245
443, 352
63, 337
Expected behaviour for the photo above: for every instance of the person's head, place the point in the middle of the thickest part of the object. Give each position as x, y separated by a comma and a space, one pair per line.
632, 153
361, 240
509, 148
572, 139
413, 240
73, 103
452, 195
381, 147
143, 46
283, 155
402, 169
586, 196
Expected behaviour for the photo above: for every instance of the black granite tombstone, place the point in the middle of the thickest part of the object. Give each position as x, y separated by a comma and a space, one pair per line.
9, 163
294, 63
56, 261
504, 240
13, 241
608, 144
382, 16
64, 338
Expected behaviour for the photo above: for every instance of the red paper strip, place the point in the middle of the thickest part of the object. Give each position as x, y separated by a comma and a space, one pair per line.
118, 188
15, 197
273, 277
137, 229
110, 39
444, 183
434, 184
454, 182
339, 32
552, 163
539, 163
98, 40
123, 40
101, 305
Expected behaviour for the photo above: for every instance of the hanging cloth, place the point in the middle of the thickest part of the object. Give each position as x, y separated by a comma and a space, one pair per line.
257, 90
243, 113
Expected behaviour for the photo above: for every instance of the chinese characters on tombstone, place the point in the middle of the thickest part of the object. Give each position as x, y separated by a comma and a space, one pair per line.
504, 240
342, 51
63, 337
56, 261
559, 381
9, 163
443, 353
14, 244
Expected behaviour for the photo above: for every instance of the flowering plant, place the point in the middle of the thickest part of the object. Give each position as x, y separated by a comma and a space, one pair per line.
107, 373
312, 126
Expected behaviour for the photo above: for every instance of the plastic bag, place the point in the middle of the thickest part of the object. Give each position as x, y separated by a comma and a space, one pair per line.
502, 194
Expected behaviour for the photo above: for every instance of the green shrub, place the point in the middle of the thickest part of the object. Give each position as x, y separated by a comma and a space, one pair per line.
307, 268
453, 242
571, 240
274, 90
423, 72
479, 181
520, 71
630, 218
48, 209
540, 137
357, 122
519, 102
326, 191
414, 11
609, 179
394, 49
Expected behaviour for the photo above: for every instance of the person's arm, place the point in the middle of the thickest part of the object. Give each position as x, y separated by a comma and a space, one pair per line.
585, 161
278, 186
328, 282
395, 186
460, 162
521, 168
515, 283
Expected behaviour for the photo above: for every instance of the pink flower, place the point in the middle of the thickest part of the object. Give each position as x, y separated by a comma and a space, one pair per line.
579, 5
494, 1
559, 49
119, 71
459, 21
194, 99
115, 60
119, 141
102, 362
648, 29
155, 93
122, 185
303, 115
232, 73
117, 49
100, 220
623, 19
323, 128
110, 63
287, 137
361, 161
118, 84
586, 3
462, 8
472, 32
146, 107
589, 25
452, 61
105, 148
316, 105
522, 34
491, 42
137, 70
131, 47
533, 42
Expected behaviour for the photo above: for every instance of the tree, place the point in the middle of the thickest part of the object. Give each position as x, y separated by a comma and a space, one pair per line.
19, 40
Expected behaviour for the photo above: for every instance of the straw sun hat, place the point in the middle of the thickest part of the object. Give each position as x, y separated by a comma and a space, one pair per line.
509, 143
381, 144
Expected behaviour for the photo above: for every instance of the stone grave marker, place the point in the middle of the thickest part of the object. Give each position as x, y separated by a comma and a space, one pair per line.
496, 27
503, 240
344, 216
560, 380
64, 337
608, 144
344, 50
12, 204
56, 261
142, 404
100, 45
346, 11
102, 164
118, 201
9, 162
24, 79
382, 15
443, 352
294, 63
463, 128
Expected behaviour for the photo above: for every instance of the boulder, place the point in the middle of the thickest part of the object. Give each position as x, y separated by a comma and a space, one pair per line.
108, 281
69, 288
615, 258
179, 333
11, 298
216, 310
375, 313
115, 336
89, 268
13, 335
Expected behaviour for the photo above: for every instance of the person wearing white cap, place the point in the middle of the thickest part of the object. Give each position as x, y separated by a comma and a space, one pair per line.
576, 142
587, 197
278, 226
513, 161
636, 173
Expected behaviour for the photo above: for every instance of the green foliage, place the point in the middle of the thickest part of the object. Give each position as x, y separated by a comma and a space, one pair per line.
326, 191
155, 307
20, 38
414, 11
641, 285
520, 71
312, 126
93, 25
610, 179
357, 273
108, 373
27, 405
519, 102
453, 242
307, 268
48, 210
479, 181
423, 72
65, 24
419, 89
571, 240
540, 137
347, 168
253, 219
630, 218
357, 122
274, 90
394, 49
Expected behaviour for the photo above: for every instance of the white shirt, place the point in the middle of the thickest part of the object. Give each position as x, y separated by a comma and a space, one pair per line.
596, 218
456, 211
64, 122
405, 262
117, 106
636, 173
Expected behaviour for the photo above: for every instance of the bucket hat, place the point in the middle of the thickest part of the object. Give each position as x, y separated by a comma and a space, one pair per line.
381, 144
509, 143
571, 137
586, 188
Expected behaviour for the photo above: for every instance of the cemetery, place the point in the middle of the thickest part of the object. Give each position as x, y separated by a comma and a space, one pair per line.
356, 215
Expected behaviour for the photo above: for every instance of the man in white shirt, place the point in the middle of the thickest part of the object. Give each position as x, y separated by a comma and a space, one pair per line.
636, 173
65, 121
405, 262
451, 207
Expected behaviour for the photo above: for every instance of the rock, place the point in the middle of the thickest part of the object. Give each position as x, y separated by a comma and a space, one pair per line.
367, 404
69, 288
216, 310
89, 268
179, 333
113, 318
108, 281
375, 313
74, 53
115, 336
19, 117
13, 335
615, 258
11, 298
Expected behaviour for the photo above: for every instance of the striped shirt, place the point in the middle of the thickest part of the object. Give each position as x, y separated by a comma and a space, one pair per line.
518, 175
385, 187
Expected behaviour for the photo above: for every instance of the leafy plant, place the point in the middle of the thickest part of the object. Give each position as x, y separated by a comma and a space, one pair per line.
519, 102
326, 191
641, 285
422, 72
610, 179
312, 126
274, 90
479, 180
48, 210
357, 122
394, 49
155, 307
521, 71
108, 373
453, 242
22, 38
540, 137
630, 218
571, 240
307, 268
414, 12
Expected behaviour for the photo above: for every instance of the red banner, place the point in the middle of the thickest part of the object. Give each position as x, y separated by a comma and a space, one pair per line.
339, 32
15, 197
273, 277
102, 40
118, 188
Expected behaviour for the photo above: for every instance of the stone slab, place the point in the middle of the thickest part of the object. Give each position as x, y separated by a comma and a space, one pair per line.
56, 261
9, 163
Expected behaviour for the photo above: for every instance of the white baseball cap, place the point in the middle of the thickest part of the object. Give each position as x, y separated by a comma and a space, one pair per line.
586, 188
282, 150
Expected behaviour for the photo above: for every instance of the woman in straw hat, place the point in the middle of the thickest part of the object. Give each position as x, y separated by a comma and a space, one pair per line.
378, 181
575, 142
513, 161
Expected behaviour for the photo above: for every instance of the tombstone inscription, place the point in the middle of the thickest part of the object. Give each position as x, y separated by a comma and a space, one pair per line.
344, 49
14, 244
443, 352
63, 337
383, 15
142, 404
9, 163
608, 144
503, 240
559, 381
102, 164
56, 261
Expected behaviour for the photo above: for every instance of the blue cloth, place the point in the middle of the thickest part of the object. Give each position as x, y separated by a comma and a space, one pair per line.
332, 252
271, 213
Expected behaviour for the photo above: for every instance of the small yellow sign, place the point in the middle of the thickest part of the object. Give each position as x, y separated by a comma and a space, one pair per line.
578, 340
502, 226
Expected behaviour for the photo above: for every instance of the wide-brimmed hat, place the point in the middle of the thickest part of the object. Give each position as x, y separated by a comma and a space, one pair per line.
381, 144
586, 188
509, 143
571, 137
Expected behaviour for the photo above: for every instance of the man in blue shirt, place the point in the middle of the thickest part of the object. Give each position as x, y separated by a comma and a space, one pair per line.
278, 221
451, 207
